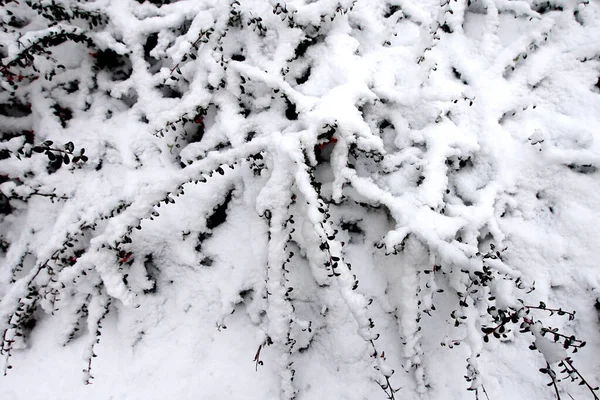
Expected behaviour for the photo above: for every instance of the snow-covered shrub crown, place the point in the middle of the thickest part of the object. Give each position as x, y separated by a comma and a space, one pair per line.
145, 137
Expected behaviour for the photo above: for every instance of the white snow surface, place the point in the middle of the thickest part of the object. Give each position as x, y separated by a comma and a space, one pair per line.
457, 124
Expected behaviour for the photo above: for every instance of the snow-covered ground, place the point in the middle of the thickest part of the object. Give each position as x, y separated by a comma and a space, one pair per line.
446, 137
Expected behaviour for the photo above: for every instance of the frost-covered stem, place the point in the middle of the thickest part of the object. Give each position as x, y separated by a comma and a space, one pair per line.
58, 12
52, 196
97, 311
74, 324
484, 392
409, 319
475, 344
279, 310
14, 331
18, 267
572, 342
52, 39
567, 361
274, 202
346, 283
559, 311
201, 37
17, 292
550, 372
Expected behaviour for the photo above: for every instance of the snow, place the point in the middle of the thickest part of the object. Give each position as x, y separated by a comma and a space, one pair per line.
301, 199
552, 352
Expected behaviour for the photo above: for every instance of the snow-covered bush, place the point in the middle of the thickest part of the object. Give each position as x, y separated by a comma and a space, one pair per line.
350, 172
